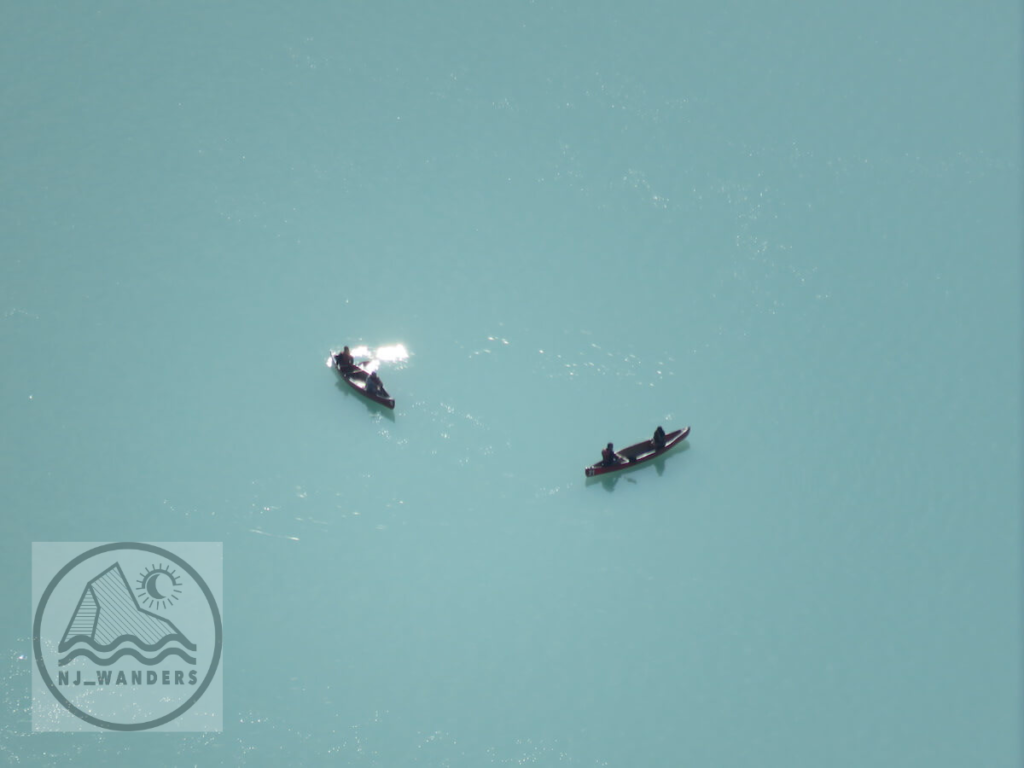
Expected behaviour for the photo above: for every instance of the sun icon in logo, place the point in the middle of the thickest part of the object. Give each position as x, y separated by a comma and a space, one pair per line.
159, 587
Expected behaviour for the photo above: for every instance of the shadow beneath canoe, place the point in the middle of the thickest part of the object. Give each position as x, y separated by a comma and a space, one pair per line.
609, 481
371, 406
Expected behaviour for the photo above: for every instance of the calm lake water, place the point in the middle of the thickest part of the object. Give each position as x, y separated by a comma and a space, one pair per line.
798, 233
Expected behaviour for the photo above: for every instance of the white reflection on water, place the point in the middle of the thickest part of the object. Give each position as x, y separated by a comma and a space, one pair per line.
370, 360
392, 353
389, 353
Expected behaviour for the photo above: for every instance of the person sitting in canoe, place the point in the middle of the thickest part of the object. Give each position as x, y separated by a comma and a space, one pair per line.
344, 359
373, 384
659, 438
609, 457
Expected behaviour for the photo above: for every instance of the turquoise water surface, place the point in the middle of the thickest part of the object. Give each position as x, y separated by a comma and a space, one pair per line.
798, 233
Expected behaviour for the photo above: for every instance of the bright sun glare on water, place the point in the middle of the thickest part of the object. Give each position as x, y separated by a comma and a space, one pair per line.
389, 353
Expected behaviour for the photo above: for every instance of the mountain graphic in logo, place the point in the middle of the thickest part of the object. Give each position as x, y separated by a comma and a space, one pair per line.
109, 624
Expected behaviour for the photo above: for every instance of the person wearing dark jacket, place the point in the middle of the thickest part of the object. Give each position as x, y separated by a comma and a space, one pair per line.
608, 456
373, 384
344, 359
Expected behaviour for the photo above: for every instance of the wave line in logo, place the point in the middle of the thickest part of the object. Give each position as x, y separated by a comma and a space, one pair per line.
107, 661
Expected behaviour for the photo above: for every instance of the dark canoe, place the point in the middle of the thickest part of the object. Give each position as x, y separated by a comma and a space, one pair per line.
638, 453
356, 377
